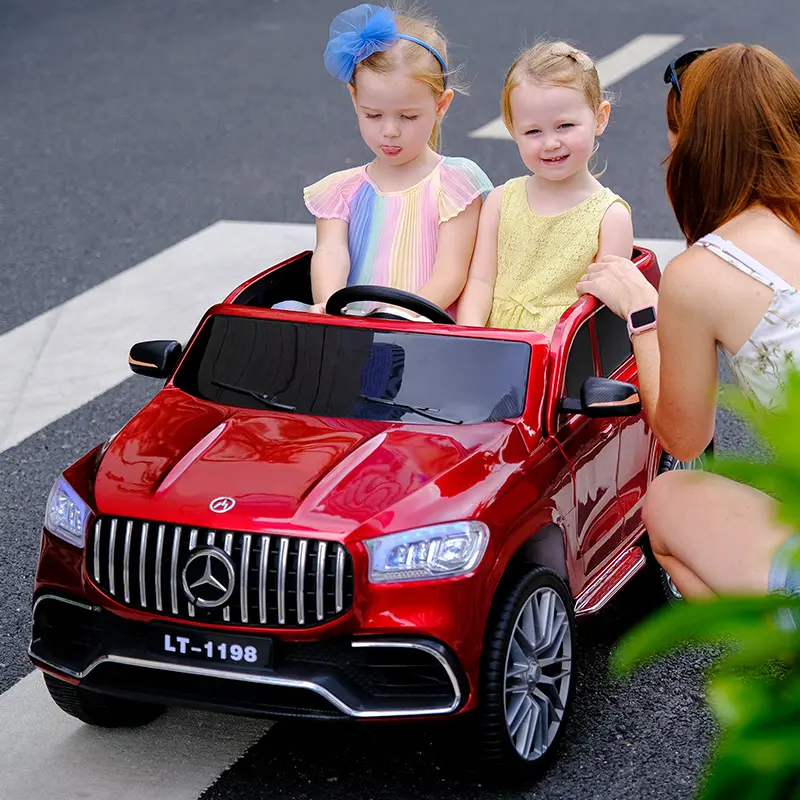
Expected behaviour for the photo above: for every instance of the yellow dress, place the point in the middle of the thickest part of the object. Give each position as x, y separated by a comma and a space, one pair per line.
540, 259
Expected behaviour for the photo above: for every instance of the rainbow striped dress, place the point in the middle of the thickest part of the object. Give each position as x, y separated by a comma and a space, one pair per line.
392, 236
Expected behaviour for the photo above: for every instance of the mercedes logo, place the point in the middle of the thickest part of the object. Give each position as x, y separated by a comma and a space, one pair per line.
209, 577
220, 505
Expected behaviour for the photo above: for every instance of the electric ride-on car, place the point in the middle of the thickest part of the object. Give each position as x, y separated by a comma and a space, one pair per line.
351, 515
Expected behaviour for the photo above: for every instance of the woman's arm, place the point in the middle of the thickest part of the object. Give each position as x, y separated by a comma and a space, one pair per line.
476, 302
453, 253
677, 363
330, 264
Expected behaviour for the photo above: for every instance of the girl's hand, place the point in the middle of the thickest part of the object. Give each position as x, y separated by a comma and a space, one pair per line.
317, 308
619, 284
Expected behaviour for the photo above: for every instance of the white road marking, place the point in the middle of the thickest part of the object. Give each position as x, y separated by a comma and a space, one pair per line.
73, 353
64, 358
614, 67
46, 753
665, 249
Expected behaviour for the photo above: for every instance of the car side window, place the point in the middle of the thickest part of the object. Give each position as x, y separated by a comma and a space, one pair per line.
614, 342
580, 362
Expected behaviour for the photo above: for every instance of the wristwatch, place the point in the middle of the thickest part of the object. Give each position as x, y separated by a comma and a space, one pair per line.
641, 320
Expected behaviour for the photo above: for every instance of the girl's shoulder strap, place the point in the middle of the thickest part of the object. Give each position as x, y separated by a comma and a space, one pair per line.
460, 182
613, 197
515, 196
329, 197
603, 199
736, 257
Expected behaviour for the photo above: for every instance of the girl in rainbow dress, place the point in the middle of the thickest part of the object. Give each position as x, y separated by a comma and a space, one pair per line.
409, 218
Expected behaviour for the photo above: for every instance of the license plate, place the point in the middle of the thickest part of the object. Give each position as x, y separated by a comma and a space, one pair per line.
211, 647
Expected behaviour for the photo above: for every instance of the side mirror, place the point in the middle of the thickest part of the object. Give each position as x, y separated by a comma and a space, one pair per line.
604, 397
155, 359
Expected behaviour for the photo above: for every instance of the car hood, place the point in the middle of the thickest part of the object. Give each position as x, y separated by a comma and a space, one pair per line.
284, 471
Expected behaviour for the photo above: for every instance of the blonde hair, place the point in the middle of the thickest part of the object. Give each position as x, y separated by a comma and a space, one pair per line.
552, 64
421, 63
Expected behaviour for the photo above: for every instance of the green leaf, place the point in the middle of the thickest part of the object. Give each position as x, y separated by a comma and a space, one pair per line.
777, 428
732, 776
777, 481
750, 703
700, 621
763, 646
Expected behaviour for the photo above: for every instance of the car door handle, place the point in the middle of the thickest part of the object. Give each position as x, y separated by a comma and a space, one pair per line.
607, 431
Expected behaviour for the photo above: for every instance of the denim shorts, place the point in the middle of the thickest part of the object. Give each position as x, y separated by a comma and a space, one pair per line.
784, 578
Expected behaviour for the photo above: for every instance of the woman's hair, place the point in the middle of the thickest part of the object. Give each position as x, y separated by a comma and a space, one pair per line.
552, 64
421, 63
737, 127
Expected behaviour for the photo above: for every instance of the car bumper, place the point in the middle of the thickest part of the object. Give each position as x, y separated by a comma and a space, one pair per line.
369, 677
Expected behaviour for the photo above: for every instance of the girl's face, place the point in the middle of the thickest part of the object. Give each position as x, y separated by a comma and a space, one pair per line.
555, 129
396, 114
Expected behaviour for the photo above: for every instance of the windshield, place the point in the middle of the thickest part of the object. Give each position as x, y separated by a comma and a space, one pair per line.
339, 371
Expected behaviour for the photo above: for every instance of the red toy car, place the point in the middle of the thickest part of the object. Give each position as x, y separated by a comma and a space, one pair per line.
337, 516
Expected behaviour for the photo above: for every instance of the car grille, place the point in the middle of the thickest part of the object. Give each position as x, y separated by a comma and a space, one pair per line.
278, 581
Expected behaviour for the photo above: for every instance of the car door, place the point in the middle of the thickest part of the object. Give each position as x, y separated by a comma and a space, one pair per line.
591, 446
636, 442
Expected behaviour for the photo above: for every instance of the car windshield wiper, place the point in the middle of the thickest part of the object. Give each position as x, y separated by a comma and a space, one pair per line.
423, 411
262, 398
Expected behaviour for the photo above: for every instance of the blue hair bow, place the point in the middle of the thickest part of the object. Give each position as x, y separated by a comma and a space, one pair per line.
361, 31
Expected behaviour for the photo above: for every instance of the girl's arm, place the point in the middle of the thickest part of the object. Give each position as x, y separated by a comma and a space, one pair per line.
453, 253
330, 264
476, 302
616, 232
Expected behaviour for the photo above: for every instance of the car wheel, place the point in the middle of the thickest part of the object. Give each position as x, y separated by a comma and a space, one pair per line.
527, 679
98, 709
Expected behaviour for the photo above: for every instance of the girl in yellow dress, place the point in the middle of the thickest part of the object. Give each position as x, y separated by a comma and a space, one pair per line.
538, 233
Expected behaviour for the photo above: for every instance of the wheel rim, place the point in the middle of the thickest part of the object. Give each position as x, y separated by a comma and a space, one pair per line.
671, 587
538, 673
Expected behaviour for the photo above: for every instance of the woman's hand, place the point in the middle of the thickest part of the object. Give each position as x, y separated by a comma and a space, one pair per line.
619, 284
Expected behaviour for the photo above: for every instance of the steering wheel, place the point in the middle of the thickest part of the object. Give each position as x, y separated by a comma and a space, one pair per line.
384, 294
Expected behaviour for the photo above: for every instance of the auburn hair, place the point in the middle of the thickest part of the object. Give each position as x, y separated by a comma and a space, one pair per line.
737, 139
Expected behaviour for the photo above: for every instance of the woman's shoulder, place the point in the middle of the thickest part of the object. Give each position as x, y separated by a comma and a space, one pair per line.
692, 279
328, 198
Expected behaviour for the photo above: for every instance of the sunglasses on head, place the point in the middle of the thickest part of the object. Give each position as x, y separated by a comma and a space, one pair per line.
676, 68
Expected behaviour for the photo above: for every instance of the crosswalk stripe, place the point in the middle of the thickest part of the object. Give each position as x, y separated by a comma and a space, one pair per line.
73, 353
611, 69
665, 249
46, 753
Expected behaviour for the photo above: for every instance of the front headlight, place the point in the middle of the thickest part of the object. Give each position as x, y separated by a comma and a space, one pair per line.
67, 515
439, 551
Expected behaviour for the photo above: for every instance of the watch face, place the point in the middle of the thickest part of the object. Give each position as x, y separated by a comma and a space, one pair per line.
644, 316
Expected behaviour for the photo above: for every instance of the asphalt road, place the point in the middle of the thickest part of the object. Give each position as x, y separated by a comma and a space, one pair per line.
127, 126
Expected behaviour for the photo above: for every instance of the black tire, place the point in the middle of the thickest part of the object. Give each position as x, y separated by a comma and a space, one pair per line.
657, 586
98, 709
500, 756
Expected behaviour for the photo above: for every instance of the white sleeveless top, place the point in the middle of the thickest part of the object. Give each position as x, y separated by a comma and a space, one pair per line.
761, 366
